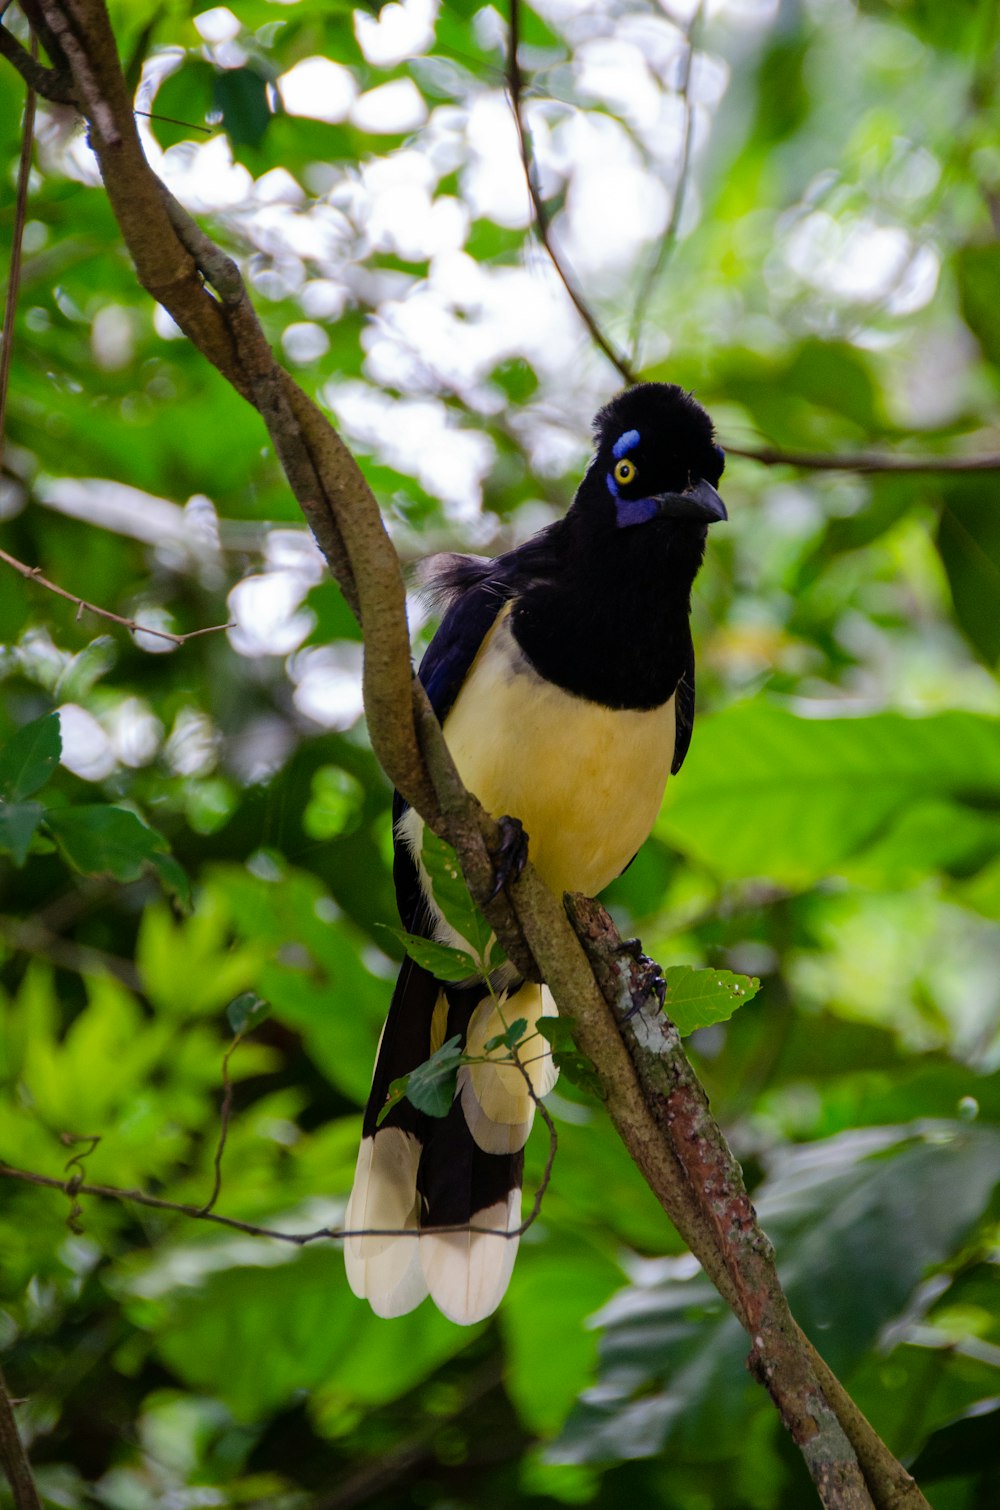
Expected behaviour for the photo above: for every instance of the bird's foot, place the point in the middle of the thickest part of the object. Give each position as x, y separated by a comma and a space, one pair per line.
646, 978
510, 855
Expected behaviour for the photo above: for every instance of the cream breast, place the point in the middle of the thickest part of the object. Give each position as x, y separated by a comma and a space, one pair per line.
586, 781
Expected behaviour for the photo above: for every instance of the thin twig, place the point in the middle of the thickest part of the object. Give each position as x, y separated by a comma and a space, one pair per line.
152, 115
865, 461
34, 574
515, 89
73, 1187
225, 1112
31, 937
79, 1168
17, 236
669, 238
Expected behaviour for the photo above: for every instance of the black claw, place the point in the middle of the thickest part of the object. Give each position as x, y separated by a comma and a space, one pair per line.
646, 979
510, 855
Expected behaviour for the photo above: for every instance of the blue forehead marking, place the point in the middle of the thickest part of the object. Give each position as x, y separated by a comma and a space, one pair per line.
626, 442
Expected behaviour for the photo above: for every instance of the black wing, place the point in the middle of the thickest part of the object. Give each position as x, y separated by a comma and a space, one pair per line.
475, 588
683, 716
684, 710
442, 671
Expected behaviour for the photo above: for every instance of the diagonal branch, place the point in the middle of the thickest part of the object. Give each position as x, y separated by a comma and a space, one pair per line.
515, 89
51, 83
668, 240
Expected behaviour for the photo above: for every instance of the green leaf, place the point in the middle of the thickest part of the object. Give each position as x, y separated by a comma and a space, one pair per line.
18, 823
452, 894
767, 793
335, 805
696, 998
28, 759
579, 1071
441, 960
431, 1086
247, 1012
969, 542
210, 1333
549, 1349
394, 1095
240, 97
103, 840
556, 1030
857, 1221
510, 1039
183, 104
174, 878
978, 272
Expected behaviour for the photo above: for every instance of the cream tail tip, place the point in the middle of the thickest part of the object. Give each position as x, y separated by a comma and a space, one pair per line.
384, 1268
498, 1096
467, 1273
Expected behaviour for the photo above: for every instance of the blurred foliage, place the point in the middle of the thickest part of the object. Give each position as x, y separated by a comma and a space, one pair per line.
832, 282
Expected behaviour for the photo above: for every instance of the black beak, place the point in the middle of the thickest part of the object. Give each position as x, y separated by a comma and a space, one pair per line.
699, 503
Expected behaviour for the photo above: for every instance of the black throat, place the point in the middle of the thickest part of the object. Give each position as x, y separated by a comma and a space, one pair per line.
609, 621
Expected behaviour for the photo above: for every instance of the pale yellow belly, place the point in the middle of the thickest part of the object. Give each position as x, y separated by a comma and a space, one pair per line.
585, 781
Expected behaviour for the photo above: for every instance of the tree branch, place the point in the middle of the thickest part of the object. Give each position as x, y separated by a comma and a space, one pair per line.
865, 461
172, 258
34, 574
51, 83
16, 238
515, 90
13, 1457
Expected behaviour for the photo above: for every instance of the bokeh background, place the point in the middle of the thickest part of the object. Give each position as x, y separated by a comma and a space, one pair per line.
790, 206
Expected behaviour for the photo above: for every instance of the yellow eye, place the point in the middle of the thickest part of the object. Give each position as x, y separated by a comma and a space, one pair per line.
625, 472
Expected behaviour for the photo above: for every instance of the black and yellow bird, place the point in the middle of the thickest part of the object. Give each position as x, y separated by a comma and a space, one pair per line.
563, 675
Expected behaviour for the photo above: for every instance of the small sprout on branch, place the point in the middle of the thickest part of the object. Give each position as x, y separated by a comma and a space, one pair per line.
247, 1012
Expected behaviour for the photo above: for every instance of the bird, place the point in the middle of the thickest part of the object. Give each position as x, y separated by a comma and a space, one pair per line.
563, 677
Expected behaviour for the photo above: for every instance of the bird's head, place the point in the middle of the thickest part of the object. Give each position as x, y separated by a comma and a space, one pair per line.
656, 458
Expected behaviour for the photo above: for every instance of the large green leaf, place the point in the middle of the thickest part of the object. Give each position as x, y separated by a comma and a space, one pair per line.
969, 541
29, 758
765, 792
104, 840
857, 1222
317, 1336
18, 825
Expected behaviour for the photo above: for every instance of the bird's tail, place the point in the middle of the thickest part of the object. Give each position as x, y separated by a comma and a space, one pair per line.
422, 1182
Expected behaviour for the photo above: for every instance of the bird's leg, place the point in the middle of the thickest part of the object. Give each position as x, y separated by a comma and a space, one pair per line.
509, 856
646, 978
